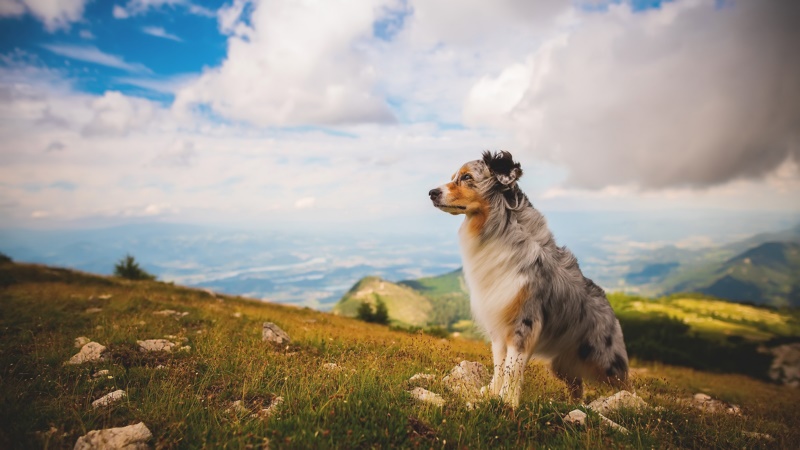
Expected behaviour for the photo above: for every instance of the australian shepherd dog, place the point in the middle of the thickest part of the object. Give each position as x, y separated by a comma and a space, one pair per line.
527, 294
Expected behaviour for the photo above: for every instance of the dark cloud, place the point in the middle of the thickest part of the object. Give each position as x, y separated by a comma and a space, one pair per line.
694, 94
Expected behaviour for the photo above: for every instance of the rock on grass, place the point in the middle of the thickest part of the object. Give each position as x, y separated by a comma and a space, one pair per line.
156, 345
622, 399
426, 396
466, 379
110, 398
273, 333
132, 437
90, 352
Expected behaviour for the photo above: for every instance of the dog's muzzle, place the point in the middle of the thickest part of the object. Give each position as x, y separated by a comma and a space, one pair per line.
434, 194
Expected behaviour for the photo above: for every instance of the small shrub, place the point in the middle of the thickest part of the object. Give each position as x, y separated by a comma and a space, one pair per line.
379, 315
381, 312
365, 312
128, 268
5, 259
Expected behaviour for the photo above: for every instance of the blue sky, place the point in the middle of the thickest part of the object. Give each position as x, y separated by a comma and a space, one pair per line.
349, 111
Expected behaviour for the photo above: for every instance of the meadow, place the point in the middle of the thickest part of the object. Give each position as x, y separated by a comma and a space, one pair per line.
186, 398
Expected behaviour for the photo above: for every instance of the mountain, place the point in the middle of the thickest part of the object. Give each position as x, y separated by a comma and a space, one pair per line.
406, 306
762, 269
766, 274
440, 301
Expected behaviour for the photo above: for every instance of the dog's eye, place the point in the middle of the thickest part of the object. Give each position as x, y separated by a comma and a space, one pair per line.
466, 177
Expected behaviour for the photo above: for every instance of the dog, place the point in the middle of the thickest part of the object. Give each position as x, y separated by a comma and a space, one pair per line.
527, 294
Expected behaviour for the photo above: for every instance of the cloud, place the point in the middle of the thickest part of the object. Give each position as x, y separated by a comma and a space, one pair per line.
293, 63
55, 15
693, 94
94, 55
160, 32
55, 146
11, 8
305, 203
119, 12
86, 34
117, 115
180, 154
142, 7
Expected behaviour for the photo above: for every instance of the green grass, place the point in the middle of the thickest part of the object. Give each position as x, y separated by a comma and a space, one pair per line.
363, 405
714, 319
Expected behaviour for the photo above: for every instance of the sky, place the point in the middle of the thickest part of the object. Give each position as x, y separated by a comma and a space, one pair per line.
341, 113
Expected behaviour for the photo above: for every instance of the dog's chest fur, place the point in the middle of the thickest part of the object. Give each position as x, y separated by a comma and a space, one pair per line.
493, 279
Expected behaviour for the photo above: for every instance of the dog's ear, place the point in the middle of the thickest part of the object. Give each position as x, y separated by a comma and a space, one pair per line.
502, 166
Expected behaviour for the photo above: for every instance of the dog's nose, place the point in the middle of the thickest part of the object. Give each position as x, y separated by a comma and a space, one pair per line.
434, 193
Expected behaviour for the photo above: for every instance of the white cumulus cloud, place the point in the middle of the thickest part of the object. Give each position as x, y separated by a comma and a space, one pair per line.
293, 63
696, 93
54, 14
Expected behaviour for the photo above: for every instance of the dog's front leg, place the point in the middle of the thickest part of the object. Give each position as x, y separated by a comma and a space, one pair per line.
514, 370
499, 357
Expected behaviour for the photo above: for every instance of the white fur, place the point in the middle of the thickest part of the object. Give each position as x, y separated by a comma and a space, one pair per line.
493, 282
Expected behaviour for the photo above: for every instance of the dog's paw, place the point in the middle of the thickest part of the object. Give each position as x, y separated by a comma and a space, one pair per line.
510, 396
487, 392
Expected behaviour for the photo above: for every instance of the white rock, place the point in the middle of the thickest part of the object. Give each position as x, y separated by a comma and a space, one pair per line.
90, 352
270, 411
622, 399
273, 333
185, 348
575, 417
237, 315
156, 345
700, 397
426, 396
705, 403
332, 367
466, 379
101, 373
109, 398
133, 437
422, 377
104, 297
93, 310
81, 341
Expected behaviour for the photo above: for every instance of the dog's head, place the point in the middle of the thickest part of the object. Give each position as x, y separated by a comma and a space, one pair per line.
475, 181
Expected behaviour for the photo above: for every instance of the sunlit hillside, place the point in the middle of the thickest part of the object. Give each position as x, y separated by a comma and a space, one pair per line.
344, 383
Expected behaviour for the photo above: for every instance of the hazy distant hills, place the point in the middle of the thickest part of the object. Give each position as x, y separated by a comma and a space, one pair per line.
766, 274
763, 269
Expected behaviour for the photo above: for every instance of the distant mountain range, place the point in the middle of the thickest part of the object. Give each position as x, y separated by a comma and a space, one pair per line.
763, 269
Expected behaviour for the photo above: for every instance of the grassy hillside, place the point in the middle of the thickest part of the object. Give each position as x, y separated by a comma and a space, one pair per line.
449, 298
406, 306
186, 398
365, 404
690, 330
